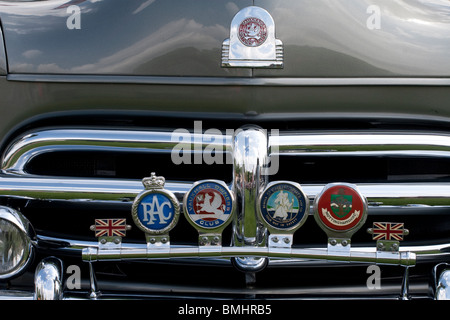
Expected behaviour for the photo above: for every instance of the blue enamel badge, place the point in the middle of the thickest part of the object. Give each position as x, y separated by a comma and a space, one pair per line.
155, 210
283, 206
209, 205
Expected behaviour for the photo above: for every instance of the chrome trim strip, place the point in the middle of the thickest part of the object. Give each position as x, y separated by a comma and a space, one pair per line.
219, 81
389, 195
375, 143
73, 189
143, 253
35, 143
423, 253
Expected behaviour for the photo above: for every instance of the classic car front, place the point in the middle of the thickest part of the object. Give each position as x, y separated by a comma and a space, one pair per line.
259, 149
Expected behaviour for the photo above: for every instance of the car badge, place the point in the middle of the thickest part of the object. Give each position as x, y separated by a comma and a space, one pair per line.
388, 235
252, 42
209, 207
283, 208
110, 230
340, 210
156, 211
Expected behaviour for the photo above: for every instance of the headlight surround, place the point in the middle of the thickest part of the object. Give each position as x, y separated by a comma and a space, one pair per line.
16, 249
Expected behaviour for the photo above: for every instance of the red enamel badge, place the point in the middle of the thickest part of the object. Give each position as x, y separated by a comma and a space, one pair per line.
252, 32
340, 207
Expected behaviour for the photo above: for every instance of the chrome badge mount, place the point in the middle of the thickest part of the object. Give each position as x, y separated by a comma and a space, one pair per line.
252, 42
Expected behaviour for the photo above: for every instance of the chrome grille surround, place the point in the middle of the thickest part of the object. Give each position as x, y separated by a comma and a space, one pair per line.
434, 197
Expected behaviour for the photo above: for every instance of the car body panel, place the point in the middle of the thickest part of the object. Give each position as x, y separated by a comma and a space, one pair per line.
169, 38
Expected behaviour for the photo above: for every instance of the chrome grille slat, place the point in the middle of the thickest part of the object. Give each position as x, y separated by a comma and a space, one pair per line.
79, 189
312, 143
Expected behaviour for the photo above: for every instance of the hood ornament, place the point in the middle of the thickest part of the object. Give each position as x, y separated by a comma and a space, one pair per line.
252, 42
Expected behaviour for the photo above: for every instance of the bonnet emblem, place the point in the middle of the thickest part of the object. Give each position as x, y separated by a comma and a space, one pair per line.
252, 42
252, 32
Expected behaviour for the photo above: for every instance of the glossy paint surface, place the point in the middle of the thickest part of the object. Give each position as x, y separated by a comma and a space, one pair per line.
118, 37
183, 38
133, 58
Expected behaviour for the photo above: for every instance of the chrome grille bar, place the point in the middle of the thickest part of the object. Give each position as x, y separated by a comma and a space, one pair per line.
373, 143
142, 253
74, 189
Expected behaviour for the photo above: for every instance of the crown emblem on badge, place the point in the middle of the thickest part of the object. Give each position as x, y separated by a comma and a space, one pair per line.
153, 182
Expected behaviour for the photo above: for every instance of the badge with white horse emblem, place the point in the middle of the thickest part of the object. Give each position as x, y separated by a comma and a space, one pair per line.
209, 205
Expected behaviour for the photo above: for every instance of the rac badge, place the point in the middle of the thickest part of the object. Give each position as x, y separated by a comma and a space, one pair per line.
209, 205
340, 209
156, 210
283, 206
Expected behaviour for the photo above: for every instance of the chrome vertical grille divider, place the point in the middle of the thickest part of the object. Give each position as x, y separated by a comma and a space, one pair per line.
250, 156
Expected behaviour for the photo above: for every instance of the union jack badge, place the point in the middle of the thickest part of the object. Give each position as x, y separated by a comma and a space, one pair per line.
388, 231
110, 227
388, 235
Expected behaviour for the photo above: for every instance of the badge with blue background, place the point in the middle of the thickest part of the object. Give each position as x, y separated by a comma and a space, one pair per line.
156, 210
283, 206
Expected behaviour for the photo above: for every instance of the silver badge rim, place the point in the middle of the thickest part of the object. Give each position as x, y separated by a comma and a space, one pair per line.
176, 209
298, 225
268, 54
218, 229
333, 233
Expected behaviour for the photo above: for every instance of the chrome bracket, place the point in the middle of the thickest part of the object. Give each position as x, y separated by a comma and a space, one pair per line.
252, 42
339, 247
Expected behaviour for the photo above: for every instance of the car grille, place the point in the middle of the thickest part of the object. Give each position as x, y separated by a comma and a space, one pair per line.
62, 179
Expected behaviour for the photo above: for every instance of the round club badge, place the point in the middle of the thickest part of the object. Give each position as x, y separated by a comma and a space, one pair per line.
252, 32
156, 210
209, 205
283, 206
340, 208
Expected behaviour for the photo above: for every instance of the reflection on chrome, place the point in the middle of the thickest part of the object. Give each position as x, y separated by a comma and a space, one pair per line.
48, 280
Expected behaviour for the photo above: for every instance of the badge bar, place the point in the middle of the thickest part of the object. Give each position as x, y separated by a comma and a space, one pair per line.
209, 206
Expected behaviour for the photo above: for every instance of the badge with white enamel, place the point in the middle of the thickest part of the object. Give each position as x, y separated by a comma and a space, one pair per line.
209, 207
